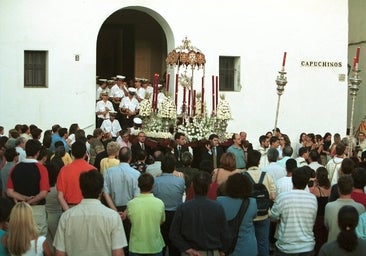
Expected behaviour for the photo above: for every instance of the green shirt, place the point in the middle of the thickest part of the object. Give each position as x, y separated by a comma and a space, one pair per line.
239, 156
146, 213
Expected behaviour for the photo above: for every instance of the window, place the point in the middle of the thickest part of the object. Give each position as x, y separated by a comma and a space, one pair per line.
229, 73
35, 69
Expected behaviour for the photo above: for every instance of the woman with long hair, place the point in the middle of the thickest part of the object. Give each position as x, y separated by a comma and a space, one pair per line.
321, 190
23, 238
347, 242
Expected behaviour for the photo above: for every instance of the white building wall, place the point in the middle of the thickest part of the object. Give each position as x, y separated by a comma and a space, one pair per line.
258, 31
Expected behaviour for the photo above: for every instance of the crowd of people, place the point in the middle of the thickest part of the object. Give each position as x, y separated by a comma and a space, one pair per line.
68, 193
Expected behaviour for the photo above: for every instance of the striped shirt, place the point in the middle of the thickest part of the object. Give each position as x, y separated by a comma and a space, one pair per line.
296, 211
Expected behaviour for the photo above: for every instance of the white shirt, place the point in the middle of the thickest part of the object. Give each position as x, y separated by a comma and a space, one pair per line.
22, 154
100, 90
275, 171
140, 92
131, 104
284, 184
315, 165
101, 107
111, 127
333, 167
114, 91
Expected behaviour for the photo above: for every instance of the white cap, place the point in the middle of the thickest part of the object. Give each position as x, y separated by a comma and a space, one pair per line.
113, 112
137, 120
160, 86
102, 80
132, 90
120, 77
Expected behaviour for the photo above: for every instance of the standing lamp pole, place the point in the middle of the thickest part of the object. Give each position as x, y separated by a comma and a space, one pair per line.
281, 82
354, 86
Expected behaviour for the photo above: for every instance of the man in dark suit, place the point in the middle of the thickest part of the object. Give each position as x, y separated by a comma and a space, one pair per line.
212, 151
180, 147
140, 145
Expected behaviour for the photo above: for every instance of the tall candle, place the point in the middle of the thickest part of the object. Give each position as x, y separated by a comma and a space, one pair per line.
184, 98
284, 60
155, 93
189, 102
194, 103
358, 54
167, 81
213, 94
203, 96
217, 93
176, 90
354, 63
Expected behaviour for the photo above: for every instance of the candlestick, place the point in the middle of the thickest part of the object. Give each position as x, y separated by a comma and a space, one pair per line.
203, 96
358, 54
167, 82
217, 93
184, 99
155, 92
354, 63
284, 60
194, 103
189, 102
176, 90
281, 82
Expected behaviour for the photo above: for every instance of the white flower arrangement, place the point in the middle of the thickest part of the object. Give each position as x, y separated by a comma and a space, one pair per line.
198, 129
145, 108
162, 135
223, 109
167, 109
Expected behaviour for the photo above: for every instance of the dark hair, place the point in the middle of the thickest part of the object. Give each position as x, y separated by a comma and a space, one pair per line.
73, 128
359, 177
303, 150
201, 183
124, 155
187, 158
300, 177
43, 153
312, 137
78, 149
47, 138
254, 156
347, 222
340, 148
322, 177
286, 139
24, 128
287, 151
213, 136
291, 165
314, 155
10, 154
238, 186
273, 139
55, 128
345, 185
62, 131
91, 183
178, 135
36, 133
32, 147
301, 134
141, 155
262, 139
272, 155
80, 136
228, 161
5, 208
347, 166
168, 163
145, 182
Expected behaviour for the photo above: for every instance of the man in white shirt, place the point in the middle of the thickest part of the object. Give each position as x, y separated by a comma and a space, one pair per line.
103, 107
140, 91
101, 88
129, 108
263, 149
334, 164
273, 169
303, 156
313, 159
284, 184
111, 126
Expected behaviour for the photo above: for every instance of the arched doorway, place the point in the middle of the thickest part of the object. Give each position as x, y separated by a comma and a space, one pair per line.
131, 43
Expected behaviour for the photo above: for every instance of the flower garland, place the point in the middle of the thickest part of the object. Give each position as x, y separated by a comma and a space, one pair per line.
167, 109
145, 108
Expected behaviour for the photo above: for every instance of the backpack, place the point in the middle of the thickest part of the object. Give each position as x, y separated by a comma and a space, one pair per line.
261, 194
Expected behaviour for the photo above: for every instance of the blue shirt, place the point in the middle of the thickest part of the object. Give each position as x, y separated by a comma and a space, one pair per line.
169, 189
239, 156
120, 182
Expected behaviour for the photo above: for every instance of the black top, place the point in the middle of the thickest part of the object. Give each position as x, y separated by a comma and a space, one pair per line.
200, 224
334, 195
